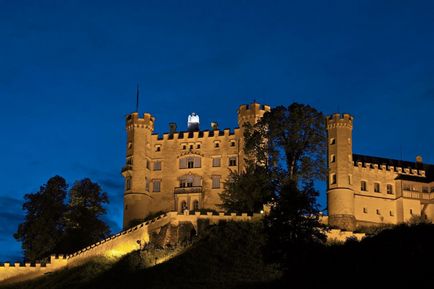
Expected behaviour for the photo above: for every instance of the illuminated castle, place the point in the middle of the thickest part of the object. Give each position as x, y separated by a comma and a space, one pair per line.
180, 169
364, 190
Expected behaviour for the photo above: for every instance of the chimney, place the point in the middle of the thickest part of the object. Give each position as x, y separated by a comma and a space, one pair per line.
172, 127
214, 125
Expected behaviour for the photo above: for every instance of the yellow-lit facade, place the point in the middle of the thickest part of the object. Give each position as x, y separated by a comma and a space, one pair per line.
182, 169
365, 191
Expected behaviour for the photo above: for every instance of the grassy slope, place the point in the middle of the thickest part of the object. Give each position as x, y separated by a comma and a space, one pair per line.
229, 256
226, 256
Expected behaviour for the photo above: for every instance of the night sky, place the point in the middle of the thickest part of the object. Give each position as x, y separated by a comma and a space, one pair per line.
69, 69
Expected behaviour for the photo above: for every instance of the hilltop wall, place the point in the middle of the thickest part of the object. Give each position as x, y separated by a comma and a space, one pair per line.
130, 240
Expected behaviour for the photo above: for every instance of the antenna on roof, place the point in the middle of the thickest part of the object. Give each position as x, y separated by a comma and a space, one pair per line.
137, 97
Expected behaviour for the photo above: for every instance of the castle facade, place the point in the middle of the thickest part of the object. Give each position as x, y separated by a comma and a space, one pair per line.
183, 169
364, 190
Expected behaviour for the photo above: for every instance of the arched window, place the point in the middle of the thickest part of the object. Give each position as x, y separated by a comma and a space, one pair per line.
195, 205
184, 206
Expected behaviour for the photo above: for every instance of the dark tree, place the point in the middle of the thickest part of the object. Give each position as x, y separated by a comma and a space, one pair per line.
83, 224
247, 191
296, 148
296, 141
43, 225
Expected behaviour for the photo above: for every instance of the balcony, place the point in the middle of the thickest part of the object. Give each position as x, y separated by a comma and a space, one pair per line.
188, 190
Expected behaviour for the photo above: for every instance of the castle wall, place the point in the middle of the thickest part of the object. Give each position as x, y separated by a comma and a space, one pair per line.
20, 272
153, 161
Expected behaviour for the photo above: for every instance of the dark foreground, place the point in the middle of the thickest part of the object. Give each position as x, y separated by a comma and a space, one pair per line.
232, 256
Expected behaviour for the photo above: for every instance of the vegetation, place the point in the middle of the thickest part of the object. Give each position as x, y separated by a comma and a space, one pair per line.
42, 229
54, 225
231, 256
285, 154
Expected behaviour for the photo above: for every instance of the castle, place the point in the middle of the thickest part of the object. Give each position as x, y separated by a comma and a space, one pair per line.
364, 190
185, 169
180, 170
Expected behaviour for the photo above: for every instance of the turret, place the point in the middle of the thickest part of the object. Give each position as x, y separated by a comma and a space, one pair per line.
340, 193
136, 170
250, 113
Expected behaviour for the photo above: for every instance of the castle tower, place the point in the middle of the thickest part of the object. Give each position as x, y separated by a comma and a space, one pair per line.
137, 168
250, 113
340, 167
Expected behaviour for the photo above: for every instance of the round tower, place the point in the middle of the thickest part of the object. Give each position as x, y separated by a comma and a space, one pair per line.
136, 170
340, 193
250, 113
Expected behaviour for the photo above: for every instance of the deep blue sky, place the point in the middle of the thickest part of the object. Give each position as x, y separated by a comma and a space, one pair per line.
68, 74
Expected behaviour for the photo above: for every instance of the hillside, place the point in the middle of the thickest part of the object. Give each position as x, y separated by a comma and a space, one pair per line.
230, 256
226, 256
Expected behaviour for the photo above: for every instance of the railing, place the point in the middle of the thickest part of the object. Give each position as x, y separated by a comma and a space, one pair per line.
417, 195
188, 190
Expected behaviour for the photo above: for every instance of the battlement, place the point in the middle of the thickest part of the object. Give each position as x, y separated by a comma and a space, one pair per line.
253, 108
389, 168
339, 120
186, 135
133, 120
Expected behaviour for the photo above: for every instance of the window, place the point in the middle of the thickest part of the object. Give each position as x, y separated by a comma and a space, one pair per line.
365, 210
157, 166
411, 211
332, 141
424, 189
216, 162
215, 182
198, 146
406, 187
232, 161
188, 181
147, 184
184, 147
391, 213
333, 179
363, 186
232, 143
377, 187
350, 179
195, 205
156, 186
184, 206
389, 189
190, 162
378, 212
191, 147
157, 148
432, 189
216, 144
332, 158
147, 164
128, 183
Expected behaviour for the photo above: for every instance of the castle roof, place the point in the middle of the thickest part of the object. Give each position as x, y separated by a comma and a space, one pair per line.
428, 168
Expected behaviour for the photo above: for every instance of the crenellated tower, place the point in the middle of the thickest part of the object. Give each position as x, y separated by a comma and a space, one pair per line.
340, 171
137, 167
250, 113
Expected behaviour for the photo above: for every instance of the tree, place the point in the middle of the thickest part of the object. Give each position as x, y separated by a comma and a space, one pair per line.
247, 191
83, 224
296, 141
43, 226
296, 146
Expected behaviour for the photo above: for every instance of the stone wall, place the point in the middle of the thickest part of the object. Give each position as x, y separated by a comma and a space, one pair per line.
166, 229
